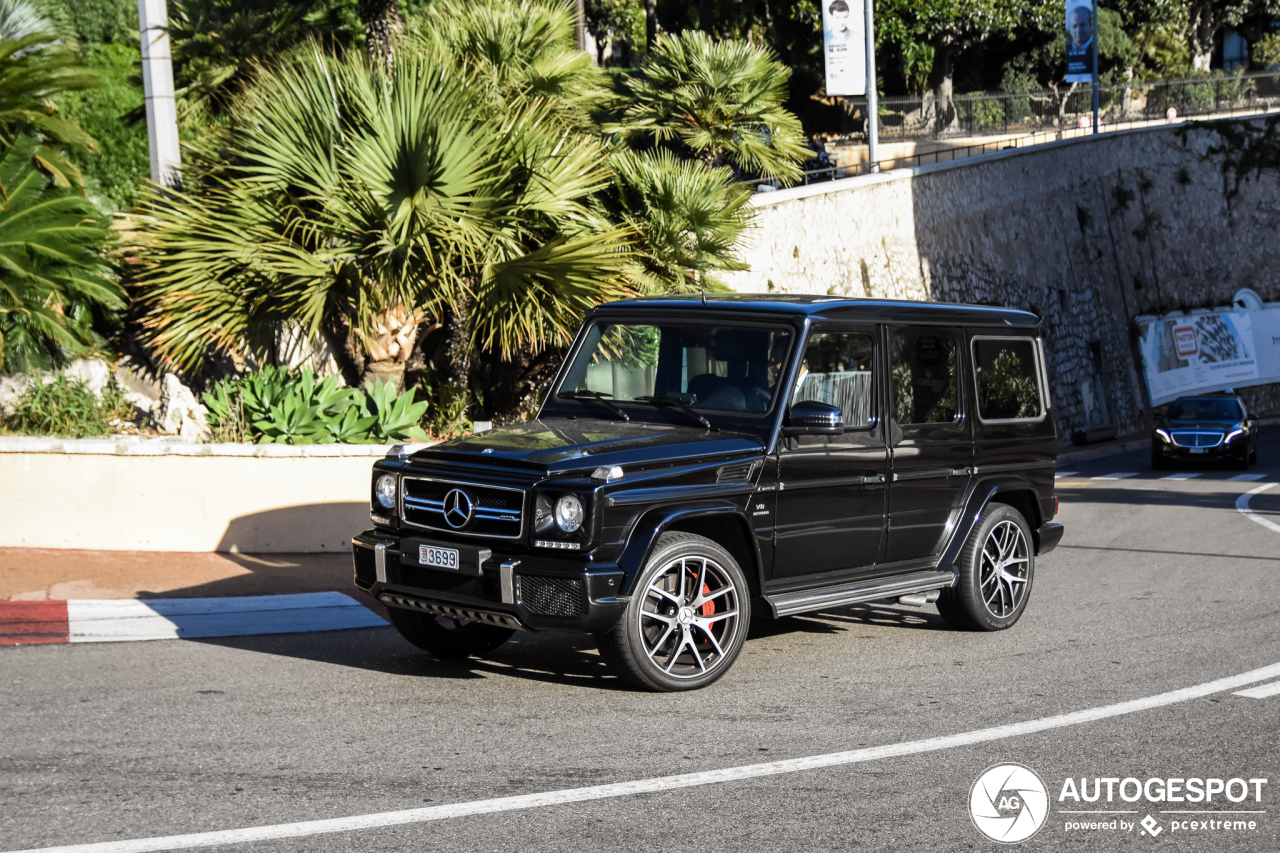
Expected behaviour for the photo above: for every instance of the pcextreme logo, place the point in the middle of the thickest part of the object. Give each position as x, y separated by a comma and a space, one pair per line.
1009, 803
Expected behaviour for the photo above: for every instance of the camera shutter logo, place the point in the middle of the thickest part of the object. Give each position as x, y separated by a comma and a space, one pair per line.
458, 509
1009, 803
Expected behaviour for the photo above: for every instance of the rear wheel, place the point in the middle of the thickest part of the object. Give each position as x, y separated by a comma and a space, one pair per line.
446, 637
996, 567
687, 618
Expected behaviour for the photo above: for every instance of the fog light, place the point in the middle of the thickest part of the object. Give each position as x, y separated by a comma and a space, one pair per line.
569, 513
385, 490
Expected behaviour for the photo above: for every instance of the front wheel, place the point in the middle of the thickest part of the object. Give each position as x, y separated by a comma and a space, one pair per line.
687, 618
446, 637
997, 567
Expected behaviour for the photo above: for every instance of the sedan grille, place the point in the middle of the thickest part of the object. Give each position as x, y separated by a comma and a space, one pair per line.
464, 509
1195, 438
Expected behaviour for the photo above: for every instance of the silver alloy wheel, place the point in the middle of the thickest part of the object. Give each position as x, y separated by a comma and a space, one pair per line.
688, 617
1002, 574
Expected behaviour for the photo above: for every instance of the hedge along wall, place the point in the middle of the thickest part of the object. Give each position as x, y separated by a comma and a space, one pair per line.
1086, 233
162, 496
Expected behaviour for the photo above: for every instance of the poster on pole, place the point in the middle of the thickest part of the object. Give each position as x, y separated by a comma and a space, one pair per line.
1080, 42
844, 46
1198, 353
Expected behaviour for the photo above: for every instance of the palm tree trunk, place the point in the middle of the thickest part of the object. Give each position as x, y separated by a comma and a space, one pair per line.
382, 25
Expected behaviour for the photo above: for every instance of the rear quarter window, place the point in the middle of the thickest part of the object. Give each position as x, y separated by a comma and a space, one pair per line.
1007, 374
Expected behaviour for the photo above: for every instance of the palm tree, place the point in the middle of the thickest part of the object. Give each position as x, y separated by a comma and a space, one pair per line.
719, 101
360, 205
35, 66
52, 275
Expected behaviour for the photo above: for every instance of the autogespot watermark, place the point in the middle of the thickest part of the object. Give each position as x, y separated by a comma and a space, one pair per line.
1010, 803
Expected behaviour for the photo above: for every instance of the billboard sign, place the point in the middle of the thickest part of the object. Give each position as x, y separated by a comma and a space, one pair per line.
844, 46
1213, 351
1080, 41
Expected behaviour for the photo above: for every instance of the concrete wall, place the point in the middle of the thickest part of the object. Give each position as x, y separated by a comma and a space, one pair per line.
1087, 233
154, 496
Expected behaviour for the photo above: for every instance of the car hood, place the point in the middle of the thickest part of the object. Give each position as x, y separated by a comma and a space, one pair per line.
559, 445
1201, 424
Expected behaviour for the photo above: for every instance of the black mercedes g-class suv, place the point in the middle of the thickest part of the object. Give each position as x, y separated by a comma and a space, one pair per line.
698, 459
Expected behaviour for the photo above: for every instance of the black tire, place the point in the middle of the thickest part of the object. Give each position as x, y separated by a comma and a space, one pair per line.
686, 579
974, 604
446, 637
1253, 456
1157, 461
1242, 464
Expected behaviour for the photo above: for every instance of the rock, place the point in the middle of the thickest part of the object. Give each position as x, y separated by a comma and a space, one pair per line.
179, 413
94, 373
11, 388
142, 392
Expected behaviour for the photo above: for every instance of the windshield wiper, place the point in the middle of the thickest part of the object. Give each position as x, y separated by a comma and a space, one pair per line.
679, 404
599, 397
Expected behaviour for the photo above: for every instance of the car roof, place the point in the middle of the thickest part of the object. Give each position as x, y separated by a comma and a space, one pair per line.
833, 308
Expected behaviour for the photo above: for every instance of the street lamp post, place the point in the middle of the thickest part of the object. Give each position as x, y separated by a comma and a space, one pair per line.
873, 98
157, 85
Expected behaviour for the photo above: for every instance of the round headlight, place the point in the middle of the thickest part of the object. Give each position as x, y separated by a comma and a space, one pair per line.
569, 513
385, 490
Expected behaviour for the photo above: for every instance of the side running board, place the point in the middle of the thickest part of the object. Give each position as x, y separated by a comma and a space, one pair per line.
821, 598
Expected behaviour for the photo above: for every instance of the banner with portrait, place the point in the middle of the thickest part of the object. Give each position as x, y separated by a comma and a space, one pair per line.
844, 46
1080, 41
1198, 353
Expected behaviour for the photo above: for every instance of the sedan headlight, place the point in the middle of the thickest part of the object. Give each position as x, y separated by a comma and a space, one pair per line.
569, 513
384, 491
1164, 436
1233, 435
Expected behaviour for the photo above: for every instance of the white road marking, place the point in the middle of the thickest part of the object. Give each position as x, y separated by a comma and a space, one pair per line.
1262, 691
1181, 476
1119, 476
662, 784
107, 621
1248, 477
1066, 474
1242, 504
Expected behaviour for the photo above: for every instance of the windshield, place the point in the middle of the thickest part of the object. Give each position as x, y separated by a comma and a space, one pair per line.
1204, 410
712, 368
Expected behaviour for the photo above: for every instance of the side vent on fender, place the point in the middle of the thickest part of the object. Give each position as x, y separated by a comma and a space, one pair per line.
738, 472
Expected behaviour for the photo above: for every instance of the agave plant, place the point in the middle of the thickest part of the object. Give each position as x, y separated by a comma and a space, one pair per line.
719, 101
52, 275
360, 204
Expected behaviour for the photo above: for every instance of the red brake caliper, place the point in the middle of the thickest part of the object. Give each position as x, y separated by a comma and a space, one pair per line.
708, 608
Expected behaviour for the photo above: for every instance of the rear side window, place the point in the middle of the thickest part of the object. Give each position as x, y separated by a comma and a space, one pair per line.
1008, 379
924, 377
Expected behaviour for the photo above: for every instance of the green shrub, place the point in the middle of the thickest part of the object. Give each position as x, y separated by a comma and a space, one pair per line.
273, 406
66, 408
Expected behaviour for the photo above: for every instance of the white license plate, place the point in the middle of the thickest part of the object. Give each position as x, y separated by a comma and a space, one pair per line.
440, 558
1197, 450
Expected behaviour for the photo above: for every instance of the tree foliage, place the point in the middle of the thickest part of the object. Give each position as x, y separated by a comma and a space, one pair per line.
52, 274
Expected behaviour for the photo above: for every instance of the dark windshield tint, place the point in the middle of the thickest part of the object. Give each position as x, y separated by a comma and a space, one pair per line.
1204, 410
715, 368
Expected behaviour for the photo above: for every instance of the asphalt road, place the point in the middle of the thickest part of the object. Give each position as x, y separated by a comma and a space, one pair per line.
1159, 585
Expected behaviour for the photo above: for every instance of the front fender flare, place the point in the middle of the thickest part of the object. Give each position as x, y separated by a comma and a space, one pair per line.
645, 533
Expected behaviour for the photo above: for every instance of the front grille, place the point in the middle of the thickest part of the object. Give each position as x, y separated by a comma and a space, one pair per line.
497, 511
463, 586
1195, 438
366, 568
738, 472
551, 596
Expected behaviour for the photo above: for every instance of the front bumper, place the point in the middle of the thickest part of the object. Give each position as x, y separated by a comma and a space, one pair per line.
1234, 450
514, 590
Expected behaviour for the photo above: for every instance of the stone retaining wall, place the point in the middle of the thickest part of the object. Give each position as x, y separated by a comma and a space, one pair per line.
1086, 233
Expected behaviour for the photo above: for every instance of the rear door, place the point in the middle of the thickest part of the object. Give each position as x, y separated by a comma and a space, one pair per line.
830, 499
932, 446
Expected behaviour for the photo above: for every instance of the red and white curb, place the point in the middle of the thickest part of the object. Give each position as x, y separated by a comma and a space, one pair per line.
112, 621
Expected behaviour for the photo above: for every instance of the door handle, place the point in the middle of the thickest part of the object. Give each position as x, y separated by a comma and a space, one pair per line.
961, 472
873, 480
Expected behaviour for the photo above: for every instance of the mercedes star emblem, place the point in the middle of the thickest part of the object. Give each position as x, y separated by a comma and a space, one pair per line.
458, 508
